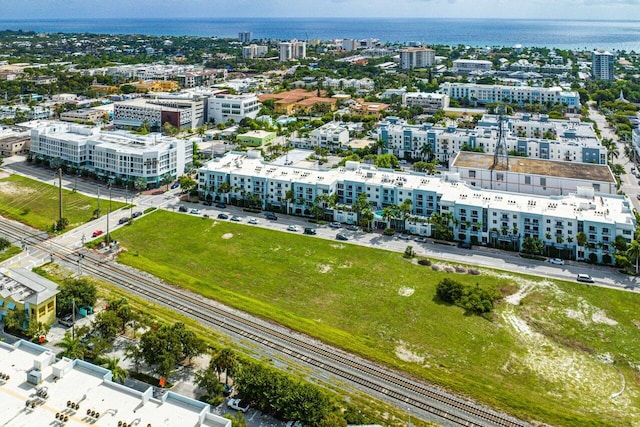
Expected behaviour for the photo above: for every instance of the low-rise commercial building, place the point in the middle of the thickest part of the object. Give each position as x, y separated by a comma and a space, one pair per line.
25, 292
429, 102
83, 115
467, 66
181, 111
257, 138
14, 141
225, 107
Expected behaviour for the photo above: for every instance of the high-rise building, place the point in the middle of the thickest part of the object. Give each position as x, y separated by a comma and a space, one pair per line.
417, 57
245, 36
292, 50
602, 65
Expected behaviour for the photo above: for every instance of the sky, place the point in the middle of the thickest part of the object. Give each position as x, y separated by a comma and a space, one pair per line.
518, 9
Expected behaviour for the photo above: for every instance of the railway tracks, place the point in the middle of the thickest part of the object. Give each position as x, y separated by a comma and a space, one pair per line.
406, 392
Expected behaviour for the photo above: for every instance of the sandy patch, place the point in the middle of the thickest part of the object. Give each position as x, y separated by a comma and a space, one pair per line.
585, 313
13, 190
324, 268
347, 264
227, 236
406, 292
403, 353
337, 246
601, 317
276, 248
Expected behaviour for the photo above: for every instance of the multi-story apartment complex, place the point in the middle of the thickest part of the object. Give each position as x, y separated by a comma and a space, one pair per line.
430, 102
224, 107
118, 154
359, 84
487, 94
467, 66
245, 36
417, 57
331, 135
476, 215
602, 65
254, 51
292, 50
181, 111
23, 290
535, 137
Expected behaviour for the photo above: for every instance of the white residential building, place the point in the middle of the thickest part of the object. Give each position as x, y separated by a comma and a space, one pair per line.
488, 94
359, 84
430, 102
479, 215
223, 108
602, 65
417, 57
466, 66
292, 50
254, 51
331, 135
118, 154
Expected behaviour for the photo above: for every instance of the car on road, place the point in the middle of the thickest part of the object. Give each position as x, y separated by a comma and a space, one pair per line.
195, 211
97, 233
136, 214
585, 278
342, 236
556, 261
271, 216
352, 227
66, 320
175, 185
236, 218
123, 220
238, 405
223, 216
404, 237
420, 239
292, 228
221, 205
310, 230
183, 209
465, 245
335, 224
253, 221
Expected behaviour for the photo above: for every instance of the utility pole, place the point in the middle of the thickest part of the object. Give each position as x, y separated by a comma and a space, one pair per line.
60, 195
98, 202
108, 212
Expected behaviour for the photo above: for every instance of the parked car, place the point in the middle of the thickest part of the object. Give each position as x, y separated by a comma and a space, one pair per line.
136, 214
66, 320
342, 236
183, 209
271, 216
556, 261
420, 239
227, 389
97, 233
195, 211
292, 228
221, 205
175, 185
465, 245
123, 220
310, 230
223, 216
236, 218
585, 278
238, 405
253, 221
353, 228
404, 237
335, 224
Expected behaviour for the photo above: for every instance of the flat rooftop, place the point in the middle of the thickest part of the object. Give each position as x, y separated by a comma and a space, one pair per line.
89, 385
530, 166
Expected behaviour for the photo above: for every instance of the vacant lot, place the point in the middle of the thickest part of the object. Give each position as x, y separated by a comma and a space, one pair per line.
550, 353
35, 203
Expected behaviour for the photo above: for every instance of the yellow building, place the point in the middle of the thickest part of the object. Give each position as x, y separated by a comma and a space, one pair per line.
21, 289
156, 86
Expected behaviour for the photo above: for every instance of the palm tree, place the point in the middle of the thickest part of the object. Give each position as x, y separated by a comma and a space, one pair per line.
118, 373
426, 151
225, 361
613, 152
633, 253
72, 347
389, 214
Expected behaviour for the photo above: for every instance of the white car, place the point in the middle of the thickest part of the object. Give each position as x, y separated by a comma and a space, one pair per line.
292, 228
195, 211
404, 237
556, 261
238, 405
253, 221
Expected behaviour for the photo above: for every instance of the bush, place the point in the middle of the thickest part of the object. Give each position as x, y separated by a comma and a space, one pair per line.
425, 261
389, 232
151, 209
474, 299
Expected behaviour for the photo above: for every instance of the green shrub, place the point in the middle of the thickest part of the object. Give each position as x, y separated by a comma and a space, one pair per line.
474, 299
389, 232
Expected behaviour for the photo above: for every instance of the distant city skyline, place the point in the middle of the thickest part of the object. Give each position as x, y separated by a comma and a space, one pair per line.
500, 9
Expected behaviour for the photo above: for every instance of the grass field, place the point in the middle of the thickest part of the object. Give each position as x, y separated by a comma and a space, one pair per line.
546, 355
10, 252
35, 203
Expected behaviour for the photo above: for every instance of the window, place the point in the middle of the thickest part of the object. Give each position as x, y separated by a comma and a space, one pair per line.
527, 180
543, 182
472, 174
499, 177
596, 187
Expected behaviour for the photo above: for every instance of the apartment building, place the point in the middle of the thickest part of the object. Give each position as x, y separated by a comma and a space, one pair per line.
602, 65
429, 102
477, 215
331, 135
365, 84
254, 51
487, 94
468, 66
24, 291
245, 36
417, 57
117, 154
225, 107
292, 50
182, 111
534, 137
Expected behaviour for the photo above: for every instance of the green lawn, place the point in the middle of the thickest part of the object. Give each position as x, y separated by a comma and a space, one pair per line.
10, 252
35, 203
541, 359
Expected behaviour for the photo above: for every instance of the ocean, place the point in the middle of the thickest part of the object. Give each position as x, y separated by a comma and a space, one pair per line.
563, 34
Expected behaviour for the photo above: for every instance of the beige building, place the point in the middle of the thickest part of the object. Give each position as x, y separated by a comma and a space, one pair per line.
13, 141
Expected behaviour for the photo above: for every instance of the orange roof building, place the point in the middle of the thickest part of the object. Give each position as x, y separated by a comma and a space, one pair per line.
298, 101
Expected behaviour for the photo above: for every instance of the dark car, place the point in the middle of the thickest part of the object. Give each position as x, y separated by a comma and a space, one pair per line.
309, 230
221, 205
66, 320
271, 216
223, 216
136, 214
464, 245
342, 236
123, 220
175, 185
183, 209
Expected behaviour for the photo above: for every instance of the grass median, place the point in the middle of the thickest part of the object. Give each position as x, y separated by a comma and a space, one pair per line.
546, 354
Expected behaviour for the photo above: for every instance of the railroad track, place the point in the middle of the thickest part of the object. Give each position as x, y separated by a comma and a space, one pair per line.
407, 392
